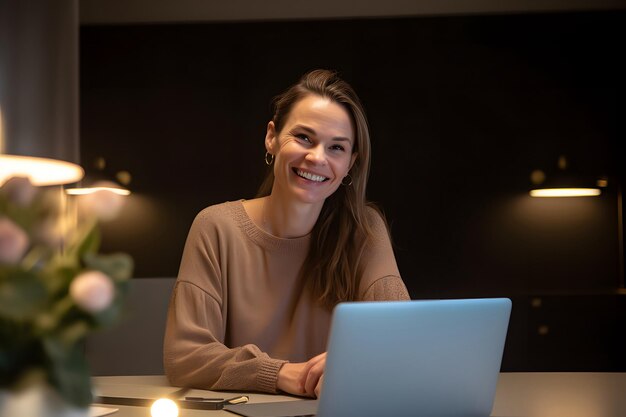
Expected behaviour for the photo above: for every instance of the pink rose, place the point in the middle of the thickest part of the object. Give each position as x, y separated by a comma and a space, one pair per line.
13, 242
19, 190
92, 291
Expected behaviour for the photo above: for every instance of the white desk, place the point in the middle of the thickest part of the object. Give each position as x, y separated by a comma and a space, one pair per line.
561, 394
518, 394
157, 386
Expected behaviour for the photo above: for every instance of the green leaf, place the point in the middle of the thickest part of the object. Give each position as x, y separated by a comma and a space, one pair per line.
85, 239
19, 352
55, 318
115, 311
22, 294
118, 266
69, 372
58, 278
36, 258
74, 332
90, 242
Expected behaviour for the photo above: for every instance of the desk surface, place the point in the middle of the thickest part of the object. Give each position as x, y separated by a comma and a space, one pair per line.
157, 386
527, 394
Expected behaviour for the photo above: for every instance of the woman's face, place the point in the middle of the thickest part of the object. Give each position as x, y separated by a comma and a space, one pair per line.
313, 150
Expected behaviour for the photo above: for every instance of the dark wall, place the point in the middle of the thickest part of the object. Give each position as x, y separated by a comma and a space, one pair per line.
461, 108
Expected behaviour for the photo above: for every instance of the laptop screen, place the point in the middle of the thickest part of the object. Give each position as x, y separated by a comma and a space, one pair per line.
415, 358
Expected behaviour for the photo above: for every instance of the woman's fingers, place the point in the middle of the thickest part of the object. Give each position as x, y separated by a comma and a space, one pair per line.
310, 364
315, 374
312, 374
302, 378
318, 388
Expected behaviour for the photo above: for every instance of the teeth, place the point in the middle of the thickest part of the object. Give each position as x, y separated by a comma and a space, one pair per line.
312, 177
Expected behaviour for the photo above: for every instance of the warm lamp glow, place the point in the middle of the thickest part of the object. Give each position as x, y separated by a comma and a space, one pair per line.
105, 199
164, 407
40, 171
565, 192
91, 190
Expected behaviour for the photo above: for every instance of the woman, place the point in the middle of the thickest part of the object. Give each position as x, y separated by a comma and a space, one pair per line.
258, 279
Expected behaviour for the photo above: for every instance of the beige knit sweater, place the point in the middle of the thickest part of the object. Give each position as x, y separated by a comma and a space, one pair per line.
236, 313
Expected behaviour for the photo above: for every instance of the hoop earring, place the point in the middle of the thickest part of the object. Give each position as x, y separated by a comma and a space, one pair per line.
269, 158
347, 184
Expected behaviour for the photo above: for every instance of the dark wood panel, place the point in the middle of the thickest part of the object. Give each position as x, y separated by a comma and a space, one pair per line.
461, 109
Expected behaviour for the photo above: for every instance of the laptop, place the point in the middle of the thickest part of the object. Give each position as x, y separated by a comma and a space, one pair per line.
419, 358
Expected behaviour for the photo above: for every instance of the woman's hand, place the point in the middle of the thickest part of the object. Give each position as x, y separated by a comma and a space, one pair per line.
312, 376
303, 378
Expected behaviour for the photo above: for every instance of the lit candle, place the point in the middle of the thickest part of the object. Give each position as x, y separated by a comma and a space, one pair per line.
164, 407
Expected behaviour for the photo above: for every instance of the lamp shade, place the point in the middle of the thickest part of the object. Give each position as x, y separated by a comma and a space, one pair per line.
565, 182
98, 186
565, 192
40, 171
39, 91
101, 178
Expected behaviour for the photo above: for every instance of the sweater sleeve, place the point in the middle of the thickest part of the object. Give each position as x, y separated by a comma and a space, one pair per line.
194, 353
389, 288
195, 357
380, 277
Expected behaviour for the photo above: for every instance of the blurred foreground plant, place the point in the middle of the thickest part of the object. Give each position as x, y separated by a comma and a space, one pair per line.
55, 288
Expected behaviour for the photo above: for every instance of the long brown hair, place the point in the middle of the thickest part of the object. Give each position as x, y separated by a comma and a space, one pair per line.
342, 229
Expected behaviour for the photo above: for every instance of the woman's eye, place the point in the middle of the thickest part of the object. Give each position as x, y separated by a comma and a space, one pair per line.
337, 148
303, 137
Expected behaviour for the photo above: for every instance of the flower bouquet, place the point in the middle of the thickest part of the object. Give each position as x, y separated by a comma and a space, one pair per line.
55, 288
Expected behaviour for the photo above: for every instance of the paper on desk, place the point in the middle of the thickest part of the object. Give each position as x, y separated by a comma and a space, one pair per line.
301, 408
97, 411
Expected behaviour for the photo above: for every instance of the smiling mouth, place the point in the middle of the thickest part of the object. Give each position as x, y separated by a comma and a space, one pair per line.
309, 176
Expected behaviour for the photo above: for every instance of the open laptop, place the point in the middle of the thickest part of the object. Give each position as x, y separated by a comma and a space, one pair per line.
434, 358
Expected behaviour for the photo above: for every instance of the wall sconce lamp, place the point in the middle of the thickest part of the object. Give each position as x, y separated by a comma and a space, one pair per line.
98, 186
100, 193
564, 183
101, 181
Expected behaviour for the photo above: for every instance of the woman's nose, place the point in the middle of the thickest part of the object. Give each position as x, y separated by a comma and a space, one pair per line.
317, 155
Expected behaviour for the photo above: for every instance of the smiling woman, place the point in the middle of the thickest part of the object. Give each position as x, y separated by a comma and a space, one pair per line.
313, 153
259, 278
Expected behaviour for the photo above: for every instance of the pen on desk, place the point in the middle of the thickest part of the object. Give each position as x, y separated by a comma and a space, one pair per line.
203, 399
233, 400
238, 400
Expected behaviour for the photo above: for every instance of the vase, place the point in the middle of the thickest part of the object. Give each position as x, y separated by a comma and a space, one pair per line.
39, 400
